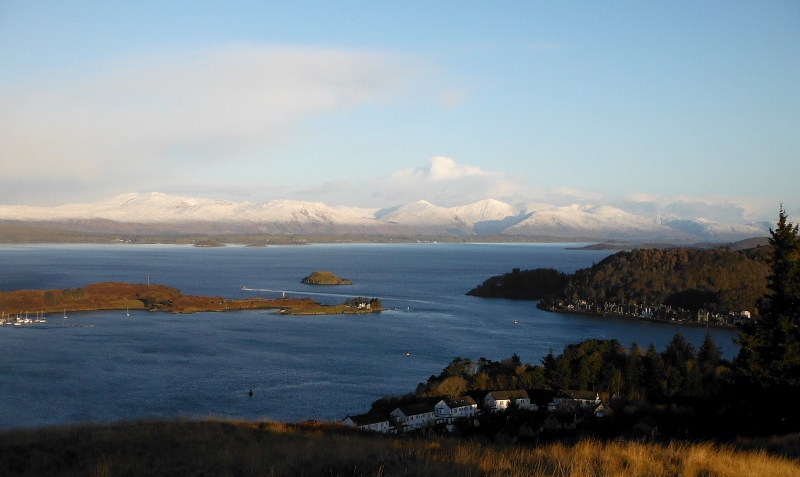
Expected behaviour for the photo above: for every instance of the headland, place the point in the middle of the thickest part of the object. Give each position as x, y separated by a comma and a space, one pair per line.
130, 296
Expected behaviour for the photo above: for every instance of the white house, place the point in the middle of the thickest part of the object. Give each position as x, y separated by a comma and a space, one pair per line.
742, 318
371, 421
497, 401
569, 399
449, 410
413, 416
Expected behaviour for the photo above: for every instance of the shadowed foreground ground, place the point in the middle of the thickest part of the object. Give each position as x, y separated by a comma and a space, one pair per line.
223, 448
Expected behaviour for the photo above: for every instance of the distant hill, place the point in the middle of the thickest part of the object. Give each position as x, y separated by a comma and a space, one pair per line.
680, 277
524, 285
747, 244
744, 244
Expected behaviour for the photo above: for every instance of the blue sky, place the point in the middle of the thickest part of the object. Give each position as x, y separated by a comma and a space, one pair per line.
684, 108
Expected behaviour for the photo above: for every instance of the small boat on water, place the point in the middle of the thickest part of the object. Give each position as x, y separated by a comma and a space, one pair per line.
65, 313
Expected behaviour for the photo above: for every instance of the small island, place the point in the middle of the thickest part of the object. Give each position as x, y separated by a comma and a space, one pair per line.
325, 278
16, 306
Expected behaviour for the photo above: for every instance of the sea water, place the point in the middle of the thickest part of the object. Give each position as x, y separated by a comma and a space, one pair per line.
106, 366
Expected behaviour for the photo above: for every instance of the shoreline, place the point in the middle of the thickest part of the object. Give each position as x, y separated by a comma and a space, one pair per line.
697, 324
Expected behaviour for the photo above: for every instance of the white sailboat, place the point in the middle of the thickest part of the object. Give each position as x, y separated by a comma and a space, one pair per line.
65, 313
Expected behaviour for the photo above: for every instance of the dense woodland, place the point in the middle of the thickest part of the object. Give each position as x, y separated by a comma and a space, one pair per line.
633, 374
718, 280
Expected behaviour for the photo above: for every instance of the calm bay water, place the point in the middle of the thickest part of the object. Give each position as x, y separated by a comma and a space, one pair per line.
104, 366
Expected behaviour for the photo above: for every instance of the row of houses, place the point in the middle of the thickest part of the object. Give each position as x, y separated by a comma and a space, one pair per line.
450, 410
653, 312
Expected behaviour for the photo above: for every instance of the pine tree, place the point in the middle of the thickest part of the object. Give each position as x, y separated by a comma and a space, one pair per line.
654, 378
550, 369
710, 355
769, 352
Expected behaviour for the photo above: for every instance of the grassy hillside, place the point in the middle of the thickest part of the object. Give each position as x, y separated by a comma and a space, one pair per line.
211, 448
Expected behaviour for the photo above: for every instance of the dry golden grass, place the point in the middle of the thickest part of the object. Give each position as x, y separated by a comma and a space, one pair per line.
274, 449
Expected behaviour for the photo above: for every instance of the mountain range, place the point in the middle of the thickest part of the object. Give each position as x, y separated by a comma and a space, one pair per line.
155, 212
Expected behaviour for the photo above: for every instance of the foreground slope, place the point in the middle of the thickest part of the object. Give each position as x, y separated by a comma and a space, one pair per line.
209, 448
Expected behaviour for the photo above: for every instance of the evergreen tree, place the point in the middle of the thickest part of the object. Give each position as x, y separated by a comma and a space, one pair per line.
634, 370
679, 357
710, 355
654, 379
678, 351
550, 369
769, 348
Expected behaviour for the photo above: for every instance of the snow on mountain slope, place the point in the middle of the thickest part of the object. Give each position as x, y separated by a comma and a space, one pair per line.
483, 210
530, 207
590, 221
425, 216
155, 207
711, 230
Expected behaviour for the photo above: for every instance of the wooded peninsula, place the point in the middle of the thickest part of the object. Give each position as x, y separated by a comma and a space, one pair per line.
679, 284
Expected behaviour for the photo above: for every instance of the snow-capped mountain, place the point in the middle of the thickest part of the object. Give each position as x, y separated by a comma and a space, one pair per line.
715, 230
424, 216
154, 207
485, 210
163, 212
590, 221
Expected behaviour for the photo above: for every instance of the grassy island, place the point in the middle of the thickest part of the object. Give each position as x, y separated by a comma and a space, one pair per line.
325, 278
128, 296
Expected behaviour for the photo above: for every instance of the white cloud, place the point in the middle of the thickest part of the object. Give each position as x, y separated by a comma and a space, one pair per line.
183, 108
439, 168
444, 182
